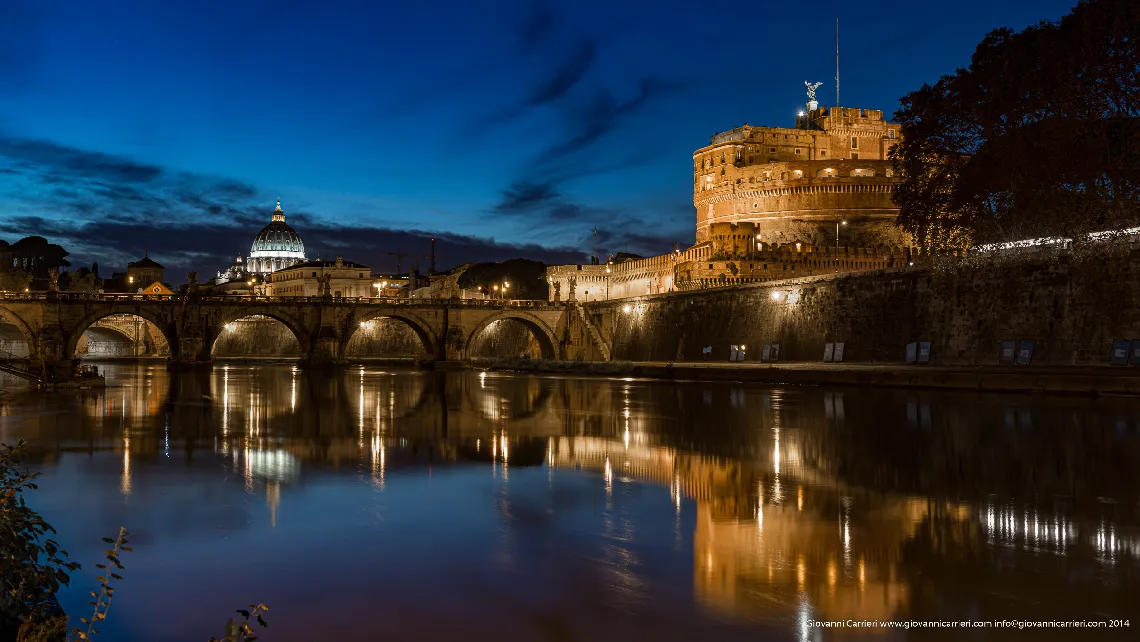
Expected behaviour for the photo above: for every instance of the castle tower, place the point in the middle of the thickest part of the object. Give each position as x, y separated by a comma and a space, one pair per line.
796, 183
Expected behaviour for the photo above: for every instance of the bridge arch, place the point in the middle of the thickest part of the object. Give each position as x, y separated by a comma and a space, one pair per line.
547, 340
422, 329
95, 316
11, 318
295, 326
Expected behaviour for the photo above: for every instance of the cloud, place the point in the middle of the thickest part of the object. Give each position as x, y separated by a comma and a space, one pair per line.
542, 206
563, 77
601, 116
536, 196
112, 209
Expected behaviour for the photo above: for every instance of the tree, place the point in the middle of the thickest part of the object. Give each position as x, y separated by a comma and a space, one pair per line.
82, 280
1039, 136
35, 255
14, 280
32, 566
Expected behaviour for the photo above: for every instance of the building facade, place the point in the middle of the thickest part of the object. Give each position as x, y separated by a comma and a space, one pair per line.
772, 203
795, 183
341, 279
143, 272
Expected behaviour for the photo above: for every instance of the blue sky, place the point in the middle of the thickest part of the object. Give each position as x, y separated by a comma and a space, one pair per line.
502, 129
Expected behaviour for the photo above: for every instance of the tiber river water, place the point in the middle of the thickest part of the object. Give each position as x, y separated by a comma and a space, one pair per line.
389, 505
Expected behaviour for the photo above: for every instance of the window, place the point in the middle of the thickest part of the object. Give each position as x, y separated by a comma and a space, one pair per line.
314, 273
823, 153
891, 134
772, 150
362, 275
854, 156
798, 150
854, 143
722, 158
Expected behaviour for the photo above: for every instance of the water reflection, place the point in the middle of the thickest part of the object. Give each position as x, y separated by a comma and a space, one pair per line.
702, 506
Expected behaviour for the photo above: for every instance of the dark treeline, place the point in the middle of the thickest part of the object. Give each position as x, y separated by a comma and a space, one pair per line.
1037, 137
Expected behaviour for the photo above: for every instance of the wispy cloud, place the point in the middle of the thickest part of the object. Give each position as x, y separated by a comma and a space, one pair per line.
111, 209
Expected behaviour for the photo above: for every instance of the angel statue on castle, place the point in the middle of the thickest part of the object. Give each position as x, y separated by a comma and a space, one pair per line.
811, 89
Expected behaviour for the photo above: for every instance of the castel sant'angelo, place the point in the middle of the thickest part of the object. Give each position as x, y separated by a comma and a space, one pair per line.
772, 203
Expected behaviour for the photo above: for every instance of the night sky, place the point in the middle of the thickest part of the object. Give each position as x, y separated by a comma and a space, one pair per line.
503, 129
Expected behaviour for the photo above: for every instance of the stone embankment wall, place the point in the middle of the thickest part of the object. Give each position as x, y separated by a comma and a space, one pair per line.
1070, 305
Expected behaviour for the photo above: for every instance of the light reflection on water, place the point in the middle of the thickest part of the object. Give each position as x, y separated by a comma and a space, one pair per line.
612, 509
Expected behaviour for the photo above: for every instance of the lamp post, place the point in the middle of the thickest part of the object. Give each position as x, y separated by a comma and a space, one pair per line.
609, 269
506, 286
837, 224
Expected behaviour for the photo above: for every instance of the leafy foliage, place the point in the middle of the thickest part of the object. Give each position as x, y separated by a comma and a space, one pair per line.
102, 601
527, 278
1040, 136
32, 566
14, 280
34, 254
82, 280
242, 631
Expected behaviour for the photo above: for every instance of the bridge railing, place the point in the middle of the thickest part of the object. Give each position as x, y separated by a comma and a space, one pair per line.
281, 300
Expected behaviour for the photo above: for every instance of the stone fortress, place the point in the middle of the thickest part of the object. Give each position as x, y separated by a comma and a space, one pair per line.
773, 203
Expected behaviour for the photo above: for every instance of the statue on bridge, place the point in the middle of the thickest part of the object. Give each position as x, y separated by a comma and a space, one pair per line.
53, 280
191, 282
325, 283
557, 290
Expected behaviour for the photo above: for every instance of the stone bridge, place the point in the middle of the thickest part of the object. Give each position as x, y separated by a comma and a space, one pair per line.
52, 323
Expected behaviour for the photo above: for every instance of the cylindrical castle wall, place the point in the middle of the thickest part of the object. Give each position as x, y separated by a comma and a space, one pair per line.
803, 201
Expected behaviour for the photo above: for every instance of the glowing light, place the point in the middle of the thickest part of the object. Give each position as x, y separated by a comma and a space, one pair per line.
231, 327
626, 309
800, 498
800, 113
776, 295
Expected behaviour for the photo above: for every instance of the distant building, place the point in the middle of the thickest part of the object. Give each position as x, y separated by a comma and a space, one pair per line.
142, 275
345, 278
393, 285
143, 272
276, 247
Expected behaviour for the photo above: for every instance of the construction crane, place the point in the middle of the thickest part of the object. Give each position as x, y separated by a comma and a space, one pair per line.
400, 256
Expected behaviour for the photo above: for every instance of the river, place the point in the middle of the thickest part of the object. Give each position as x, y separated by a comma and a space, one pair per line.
397, 505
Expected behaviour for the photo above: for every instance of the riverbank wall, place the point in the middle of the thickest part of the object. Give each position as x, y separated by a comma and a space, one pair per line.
1070, 306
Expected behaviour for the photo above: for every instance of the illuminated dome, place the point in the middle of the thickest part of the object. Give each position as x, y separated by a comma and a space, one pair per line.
276, 247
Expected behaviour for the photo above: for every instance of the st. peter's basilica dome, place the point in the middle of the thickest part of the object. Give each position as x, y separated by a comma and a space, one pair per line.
277, 246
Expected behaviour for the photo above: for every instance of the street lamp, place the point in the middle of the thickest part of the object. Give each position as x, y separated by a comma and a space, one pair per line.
506, 286
837, 224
